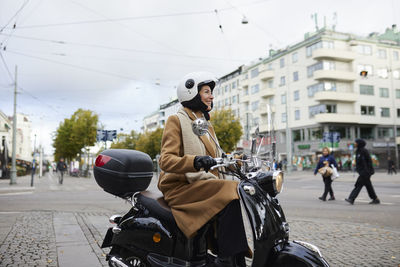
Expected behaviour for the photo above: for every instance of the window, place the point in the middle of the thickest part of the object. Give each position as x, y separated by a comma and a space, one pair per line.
234, 85
342, 130
385, 132
246, 91
295, 57
283, 99
270, 66
296, 95
254, 73
397, 93
367, 133
366, 89
233, 99
398, 113
368, 110
317, 109
385, 112
363, 67
282, 62
395, 55
271, 100
296, 135
314, 67
254, 105
284, 117
320, 44
255, 89
331, 108
226, 88
325, 86
382, 73
271, 83
227, 102
283, 81
396, 74
382, 53
364, 49
384, 92
295, 76
297, 114
315, 134
329, 65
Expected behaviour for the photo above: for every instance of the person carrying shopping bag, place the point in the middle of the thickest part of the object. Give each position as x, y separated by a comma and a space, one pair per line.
325, 169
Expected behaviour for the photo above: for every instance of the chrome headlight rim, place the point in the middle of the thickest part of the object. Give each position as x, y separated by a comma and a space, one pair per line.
277, 181
309, 246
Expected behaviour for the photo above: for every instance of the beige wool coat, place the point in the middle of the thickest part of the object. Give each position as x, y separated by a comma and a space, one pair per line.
192, 204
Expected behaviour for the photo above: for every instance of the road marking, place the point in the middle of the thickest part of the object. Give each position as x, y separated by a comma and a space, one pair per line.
10, 212
16, 193
395, 195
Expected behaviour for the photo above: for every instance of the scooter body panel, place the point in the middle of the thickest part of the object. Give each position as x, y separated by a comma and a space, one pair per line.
266, 218
296, 255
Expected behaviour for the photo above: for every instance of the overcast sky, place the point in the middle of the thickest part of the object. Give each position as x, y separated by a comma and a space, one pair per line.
122, 58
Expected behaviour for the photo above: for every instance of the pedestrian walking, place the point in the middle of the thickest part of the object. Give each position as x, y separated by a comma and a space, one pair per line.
365, 171
61, 168
391, 166
324, 168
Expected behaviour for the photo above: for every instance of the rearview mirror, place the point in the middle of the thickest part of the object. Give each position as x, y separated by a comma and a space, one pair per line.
199, 127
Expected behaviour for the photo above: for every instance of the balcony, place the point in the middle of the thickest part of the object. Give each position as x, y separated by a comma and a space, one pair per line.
266, 75
267, 92
244, 83
335, 96
337, 118
335, 54
338, 75
264, 111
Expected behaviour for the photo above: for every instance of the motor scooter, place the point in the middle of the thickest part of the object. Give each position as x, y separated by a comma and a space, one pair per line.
148, 235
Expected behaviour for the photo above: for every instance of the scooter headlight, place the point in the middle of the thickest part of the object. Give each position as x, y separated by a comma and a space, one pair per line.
278, 181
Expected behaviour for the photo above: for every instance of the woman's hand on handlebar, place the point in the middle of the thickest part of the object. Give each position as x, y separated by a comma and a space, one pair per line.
205, 162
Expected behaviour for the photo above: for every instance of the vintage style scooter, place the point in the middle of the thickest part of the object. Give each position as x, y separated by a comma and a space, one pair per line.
148, 235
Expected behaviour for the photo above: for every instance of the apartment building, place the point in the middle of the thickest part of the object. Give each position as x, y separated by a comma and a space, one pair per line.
158, 118
330, 82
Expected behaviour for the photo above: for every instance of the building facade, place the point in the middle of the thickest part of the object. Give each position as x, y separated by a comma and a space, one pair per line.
327, 90
158, 118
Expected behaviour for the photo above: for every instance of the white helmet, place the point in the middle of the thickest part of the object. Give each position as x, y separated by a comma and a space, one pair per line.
191, 84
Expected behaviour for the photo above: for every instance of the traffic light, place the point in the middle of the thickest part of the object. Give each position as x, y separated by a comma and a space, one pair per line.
364, 73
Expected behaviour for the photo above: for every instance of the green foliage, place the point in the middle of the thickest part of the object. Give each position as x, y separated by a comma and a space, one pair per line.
227, 128
126, 141
75, 133
150, 142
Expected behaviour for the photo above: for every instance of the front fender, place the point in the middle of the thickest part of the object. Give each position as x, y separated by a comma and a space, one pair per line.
296, 254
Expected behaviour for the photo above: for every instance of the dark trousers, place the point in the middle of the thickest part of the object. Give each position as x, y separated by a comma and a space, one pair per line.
231, 234
328, 187
363, 181
391, 170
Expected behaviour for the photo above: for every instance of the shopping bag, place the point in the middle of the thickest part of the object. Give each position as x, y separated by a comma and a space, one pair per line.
335, 173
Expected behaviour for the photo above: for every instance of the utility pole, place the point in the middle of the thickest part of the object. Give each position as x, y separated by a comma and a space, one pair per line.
13, 173
288, 130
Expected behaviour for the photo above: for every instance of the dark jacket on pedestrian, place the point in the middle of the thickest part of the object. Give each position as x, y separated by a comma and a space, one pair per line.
61, 166
363, 160
321, 164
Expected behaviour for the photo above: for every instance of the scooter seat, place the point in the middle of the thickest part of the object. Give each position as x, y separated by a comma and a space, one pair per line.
157, 206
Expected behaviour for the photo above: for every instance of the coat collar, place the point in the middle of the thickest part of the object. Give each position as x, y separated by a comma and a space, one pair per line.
209, 144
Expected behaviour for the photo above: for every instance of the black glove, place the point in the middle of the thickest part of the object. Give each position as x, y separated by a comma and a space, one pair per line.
205, 162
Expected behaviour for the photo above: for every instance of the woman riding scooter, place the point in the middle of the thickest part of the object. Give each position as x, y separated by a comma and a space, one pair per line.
195, 194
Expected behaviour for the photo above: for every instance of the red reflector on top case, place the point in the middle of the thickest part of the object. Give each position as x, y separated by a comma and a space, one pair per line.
101, 160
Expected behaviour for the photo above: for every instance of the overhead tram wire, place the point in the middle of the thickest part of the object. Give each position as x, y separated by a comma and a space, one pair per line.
23, 90
15, 15
126, 26
135, 17
122, 49
73, 66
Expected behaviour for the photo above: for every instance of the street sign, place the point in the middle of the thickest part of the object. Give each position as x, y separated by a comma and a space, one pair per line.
111, 135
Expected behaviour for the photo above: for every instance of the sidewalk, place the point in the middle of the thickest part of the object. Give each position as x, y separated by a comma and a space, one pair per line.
23, 185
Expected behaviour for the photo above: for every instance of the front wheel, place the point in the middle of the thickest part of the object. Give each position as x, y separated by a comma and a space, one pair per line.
123, 257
